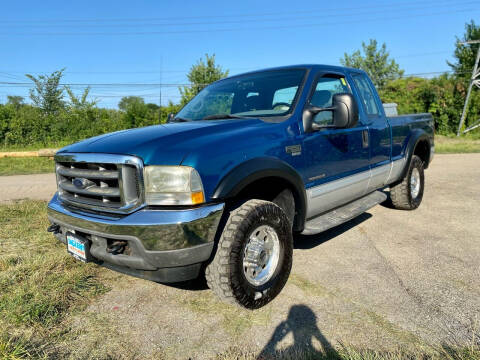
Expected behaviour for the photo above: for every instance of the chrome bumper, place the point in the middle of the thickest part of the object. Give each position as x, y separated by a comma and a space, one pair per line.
158, 239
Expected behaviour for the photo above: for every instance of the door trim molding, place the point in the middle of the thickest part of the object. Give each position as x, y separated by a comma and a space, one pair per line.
334, 193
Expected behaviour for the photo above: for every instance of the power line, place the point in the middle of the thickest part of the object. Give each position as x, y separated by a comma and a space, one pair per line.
336, 23
100, 84
345, 12
107, 85
113, 72
153, 96
423, 54
12, 73
395, 5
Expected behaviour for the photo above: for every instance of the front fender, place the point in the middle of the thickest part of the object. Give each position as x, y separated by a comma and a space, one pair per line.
255, 169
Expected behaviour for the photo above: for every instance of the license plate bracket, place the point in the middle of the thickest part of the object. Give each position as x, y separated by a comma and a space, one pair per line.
78, 247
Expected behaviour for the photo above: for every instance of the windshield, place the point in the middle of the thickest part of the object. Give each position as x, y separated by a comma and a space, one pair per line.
268, 93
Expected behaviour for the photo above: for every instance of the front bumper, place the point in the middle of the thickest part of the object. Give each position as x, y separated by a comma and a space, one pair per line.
163, 245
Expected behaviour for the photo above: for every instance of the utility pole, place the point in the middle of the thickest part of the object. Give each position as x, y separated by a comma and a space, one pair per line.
475, 80
160, 92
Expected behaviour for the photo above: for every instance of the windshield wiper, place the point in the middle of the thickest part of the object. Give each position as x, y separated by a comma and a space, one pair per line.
222, 116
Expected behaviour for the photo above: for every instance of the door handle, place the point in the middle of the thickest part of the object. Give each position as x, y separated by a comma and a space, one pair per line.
365, 138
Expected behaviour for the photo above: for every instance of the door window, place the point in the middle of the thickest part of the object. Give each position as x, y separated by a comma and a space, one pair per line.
326, 87
366, 94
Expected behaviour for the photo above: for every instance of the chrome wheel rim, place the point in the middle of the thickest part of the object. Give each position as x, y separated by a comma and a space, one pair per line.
261, 255
415, 183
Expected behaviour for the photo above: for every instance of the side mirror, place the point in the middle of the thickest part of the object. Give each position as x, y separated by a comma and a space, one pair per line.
344, 109
170, 117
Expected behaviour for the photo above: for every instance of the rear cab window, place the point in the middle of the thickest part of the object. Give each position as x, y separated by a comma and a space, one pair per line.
366, 94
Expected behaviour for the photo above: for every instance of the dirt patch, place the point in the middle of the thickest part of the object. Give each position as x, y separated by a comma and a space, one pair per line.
35, 187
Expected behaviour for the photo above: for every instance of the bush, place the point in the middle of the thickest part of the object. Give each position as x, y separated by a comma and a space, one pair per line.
442, 96
26, 124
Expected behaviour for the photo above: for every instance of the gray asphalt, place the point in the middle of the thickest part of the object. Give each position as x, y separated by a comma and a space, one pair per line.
388, 278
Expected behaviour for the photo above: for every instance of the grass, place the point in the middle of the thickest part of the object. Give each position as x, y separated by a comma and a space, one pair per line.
40, 284
44, 292
345, 352
234, 320
318, 291
353, 353
26, 165
457, 145
33, 147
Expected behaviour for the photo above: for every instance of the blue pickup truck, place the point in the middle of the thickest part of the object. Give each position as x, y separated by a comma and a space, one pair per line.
222, 188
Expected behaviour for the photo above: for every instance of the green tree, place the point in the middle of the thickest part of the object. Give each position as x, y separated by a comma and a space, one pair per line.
80, 102
442, 96
129, 101
465, 54
136, 113
376, 62
15, 100
153, 106
47, 93
204, 72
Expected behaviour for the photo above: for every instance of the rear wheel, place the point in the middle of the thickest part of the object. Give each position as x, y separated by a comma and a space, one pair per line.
408, 194
254, 255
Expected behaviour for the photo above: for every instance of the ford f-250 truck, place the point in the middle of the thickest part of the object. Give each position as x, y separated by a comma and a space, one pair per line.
220, 190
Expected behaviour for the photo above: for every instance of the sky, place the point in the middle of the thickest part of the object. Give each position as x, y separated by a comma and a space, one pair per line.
126, 48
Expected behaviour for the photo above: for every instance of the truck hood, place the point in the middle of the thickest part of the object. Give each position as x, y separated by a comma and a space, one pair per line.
164, 144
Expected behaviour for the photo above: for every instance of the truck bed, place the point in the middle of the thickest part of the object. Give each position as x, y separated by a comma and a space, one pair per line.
402, 126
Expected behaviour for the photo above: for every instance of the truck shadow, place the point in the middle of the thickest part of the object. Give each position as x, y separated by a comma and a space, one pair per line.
302, 324
388, 203
305, 242
198, 284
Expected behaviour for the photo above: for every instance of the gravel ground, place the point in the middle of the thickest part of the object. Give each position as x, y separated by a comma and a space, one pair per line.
384, 280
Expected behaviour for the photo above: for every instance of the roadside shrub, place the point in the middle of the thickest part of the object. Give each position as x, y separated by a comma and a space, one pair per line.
442, 96
26, 125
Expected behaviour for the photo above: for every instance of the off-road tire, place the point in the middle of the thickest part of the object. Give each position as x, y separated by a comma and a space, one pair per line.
225, 274
401, 194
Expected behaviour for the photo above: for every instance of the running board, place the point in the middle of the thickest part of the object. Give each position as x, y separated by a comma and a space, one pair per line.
343, 214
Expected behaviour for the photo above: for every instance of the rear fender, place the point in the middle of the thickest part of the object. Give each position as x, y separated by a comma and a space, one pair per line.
416, 136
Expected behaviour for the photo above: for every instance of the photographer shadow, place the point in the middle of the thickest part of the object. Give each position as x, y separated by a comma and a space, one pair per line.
302, 323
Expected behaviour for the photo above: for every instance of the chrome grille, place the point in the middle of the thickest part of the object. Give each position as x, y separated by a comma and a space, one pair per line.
110, 183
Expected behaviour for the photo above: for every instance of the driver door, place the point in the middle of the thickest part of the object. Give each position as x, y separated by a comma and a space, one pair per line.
336, 160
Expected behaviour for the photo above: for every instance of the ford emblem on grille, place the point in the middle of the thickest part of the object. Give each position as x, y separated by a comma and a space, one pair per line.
82, 183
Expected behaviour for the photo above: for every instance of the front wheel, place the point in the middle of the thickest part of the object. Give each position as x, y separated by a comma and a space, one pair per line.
408, 194
254, 255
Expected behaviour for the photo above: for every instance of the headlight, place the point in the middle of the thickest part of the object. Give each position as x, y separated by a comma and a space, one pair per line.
173, 185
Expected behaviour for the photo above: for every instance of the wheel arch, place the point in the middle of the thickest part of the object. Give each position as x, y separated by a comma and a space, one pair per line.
419, 144
262, 170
